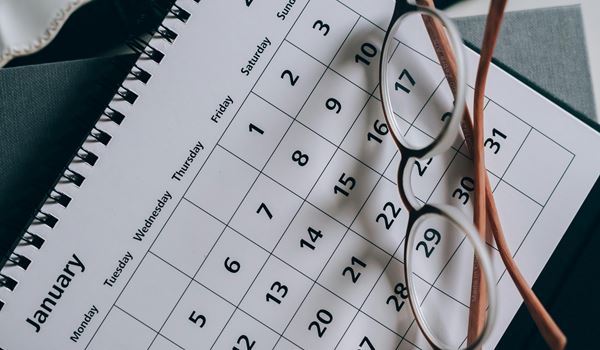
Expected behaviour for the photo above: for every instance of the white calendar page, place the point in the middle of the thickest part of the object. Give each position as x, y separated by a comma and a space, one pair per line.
261, 240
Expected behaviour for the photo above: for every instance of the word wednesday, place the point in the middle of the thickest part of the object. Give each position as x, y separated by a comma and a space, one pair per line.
178, 175
161, 202
56, 291
87, 318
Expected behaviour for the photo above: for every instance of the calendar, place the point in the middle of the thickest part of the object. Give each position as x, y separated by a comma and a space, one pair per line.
255, 204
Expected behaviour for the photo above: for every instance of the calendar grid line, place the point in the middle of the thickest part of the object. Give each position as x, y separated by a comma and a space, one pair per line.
463, 146
333, 144
423, 107
193, 180
420, 53
237, 208
327, 262
403, 239
543, 207
338, 147
463, 239
315, 183
145, 324
213, 292
264, 166
365, 300
347, 228
392, 256
200, 267
489, 98
531, 126
559, 180
534, 221
129, 280
366, 19
442, 177
432, 286
513, 159
372, 93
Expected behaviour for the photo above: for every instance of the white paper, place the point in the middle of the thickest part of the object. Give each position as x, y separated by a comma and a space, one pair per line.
262, 240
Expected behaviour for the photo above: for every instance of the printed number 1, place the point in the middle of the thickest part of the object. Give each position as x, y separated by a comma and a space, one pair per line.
253, 127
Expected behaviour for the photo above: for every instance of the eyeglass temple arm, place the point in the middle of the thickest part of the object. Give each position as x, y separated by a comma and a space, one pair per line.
544, 322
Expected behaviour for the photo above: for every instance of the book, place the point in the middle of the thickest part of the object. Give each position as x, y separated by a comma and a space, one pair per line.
211, 206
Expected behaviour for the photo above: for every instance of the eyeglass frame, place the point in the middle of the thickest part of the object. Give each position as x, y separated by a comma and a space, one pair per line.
409, 155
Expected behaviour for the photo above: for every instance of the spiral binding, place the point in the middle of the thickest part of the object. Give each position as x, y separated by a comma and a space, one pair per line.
145, 51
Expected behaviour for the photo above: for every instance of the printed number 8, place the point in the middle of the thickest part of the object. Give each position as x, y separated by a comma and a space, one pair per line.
300, 158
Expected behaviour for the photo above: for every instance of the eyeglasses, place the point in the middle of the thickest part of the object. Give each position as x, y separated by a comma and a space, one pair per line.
419, 213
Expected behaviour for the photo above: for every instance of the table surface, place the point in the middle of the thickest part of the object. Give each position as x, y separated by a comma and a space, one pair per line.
590, 10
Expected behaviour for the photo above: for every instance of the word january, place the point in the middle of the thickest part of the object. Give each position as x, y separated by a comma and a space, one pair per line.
56, 291
161, 202
260, 48
87, 318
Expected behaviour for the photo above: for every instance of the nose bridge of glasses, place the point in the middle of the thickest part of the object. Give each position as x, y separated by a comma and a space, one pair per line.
407, 162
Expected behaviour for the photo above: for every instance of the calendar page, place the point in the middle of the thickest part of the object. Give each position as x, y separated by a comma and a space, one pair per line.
249, 199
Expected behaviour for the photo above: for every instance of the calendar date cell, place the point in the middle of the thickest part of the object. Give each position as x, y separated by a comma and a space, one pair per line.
333, 107
366, 334
299, 159
383, 219
369, 139
265, 212
320, 321
322, 28
343, 188
353, 269
276, 294
310, 240
289, 79
255, 131
231, 266
243, 332
198, 318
